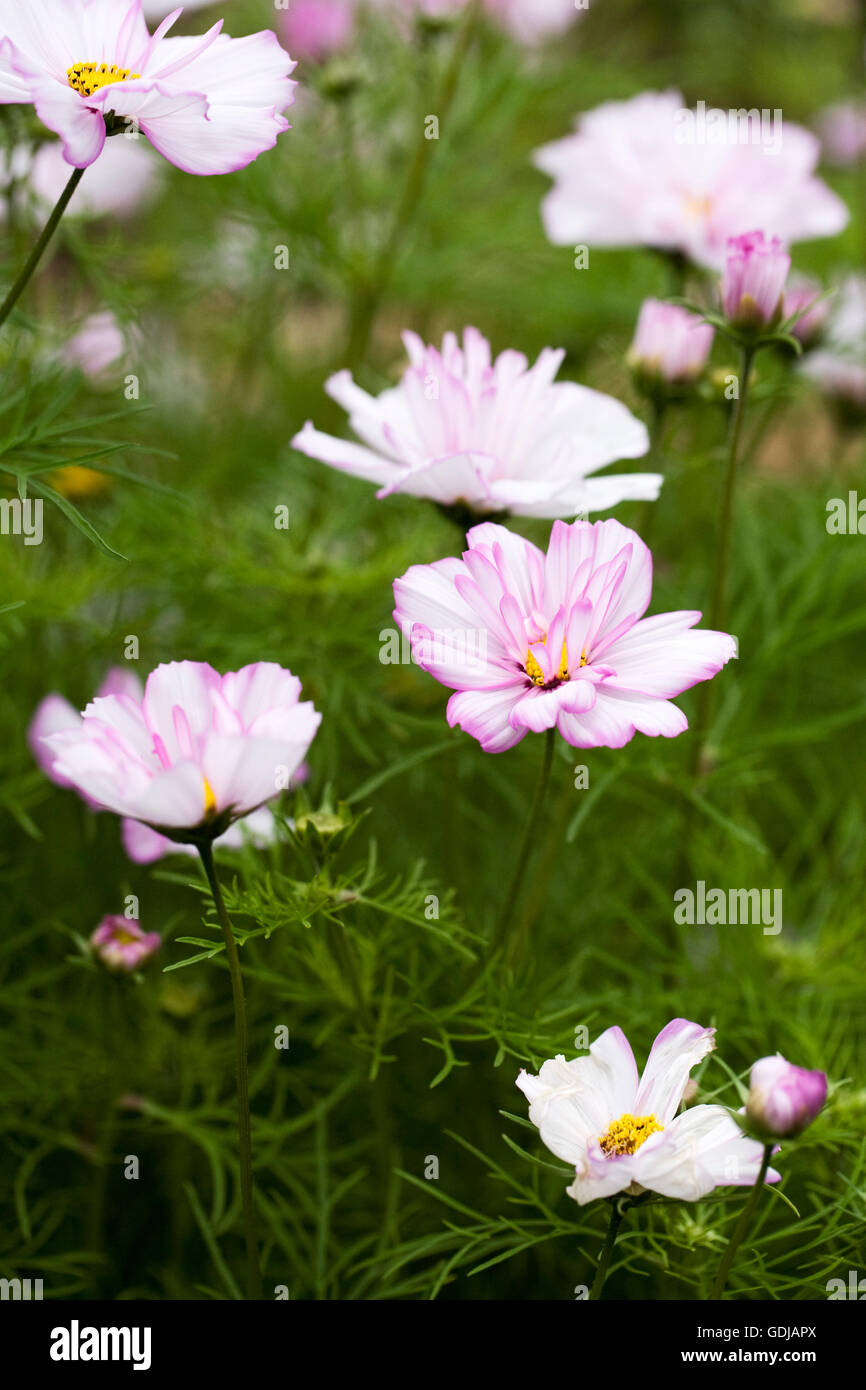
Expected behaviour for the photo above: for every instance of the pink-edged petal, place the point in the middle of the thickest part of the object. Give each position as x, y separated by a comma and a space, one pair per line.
484, 714
703, 1148
348, 457
663, 655
676, 1050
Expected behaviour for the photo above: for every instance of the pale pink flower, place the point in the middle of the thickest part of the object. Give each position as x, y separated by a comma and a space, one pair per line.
784, 1099
316, 29
805, 298
209, 104
532, 641
621, 1131
842, 129
496, 436
195, 753
839, 366
627, 177
669, 343
753, 280
124, 179
98, 344
54, 714
121, 945
144, 845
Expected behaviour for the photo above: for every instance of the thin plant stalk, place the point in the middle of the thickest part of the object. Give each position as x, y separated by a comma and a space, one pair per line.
254, 1278
742, 1226
617, 1214
38, 251
513, 943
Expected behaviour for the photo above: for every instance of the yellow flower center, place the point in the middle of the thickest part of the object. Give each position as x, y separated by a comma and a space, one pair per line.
124, 938
209, 799
88, 78
698, 208
625, 1135
535, 673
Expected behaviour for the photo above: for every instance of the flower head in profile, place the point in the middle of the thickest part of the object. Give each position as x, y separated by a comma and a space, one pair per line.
753, 280
784, 1099
209, 104
533, 641
195, 753
492, 435
621, 1131
839, 365
121, 944
671, 345
638, 173
805, 298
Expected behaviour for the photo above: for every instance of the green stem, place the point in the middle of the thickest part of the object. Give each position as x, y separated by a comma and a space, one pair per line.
254, 1278
369, 295
617, 1213
742, 1226
36, 254
723, 551
514, 944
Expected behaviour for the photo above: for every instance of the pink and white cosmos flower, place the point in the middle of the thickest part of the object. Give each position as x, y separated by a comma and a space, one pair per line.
209, 104
753, 280
496, 436
669, 343
197, 752
121, 944
626, 177
532, 642
621, 1131
784, 1099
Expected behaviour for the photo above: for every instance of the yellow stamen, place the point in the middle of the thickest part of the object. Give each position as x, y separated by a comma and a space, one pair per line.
625, 1135
535, 673
209, 799
88, 78
124, 938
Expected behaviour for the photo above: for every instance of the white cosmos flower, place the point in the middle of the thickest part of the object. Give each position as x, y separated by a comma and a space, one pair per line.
492, 435
621, 1131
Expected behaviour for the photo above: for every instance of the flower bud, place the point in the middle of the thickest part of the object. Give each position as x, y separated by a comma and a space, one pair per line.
804, 299
784, 1099
753, 280
670, 344
121, 945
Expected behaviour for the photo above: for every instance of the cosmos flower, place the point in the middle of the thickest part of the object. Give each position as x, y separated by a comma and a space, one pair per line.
627, 177
209, 104
621, 1131
124, 179
144, 845
97, 345
753, 280
784, 1099
195, 753
496, 436
54, 714
839, 366
842, 128
532, 641
669, 344
316, 29
121, 945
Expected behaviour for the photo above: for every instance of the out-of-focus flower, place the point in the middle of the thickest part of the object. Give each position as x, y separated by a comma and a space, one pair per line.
670, 344
783, 1099
316, 29
528, 21
496, 436
805, 298
195, 753
839, 366
97, 345
622, 1132
124, 179
532, 641
630, 176
209, 104
121, 944
842, 129
54, 714
753, 280
145, 846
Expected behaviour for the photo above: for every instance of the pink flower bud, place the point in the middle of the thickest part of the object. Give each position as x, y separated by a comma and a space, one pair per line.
121, 945
805, 299
316, 29
753, 280
784, 1099
669, 343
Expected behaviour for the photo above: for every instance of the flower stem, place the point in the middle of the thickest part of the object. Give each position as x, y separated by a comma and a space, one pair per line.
514, 943
742, 1226
254, 1278
369, 295
723, 551
617, 1214
36, 254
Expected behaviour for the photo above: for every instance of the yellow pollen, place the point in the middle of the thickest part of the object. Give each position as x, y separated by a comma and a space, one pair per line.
698, 208
535, 673
209, 799
88, 78
625, 1135
125, 938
